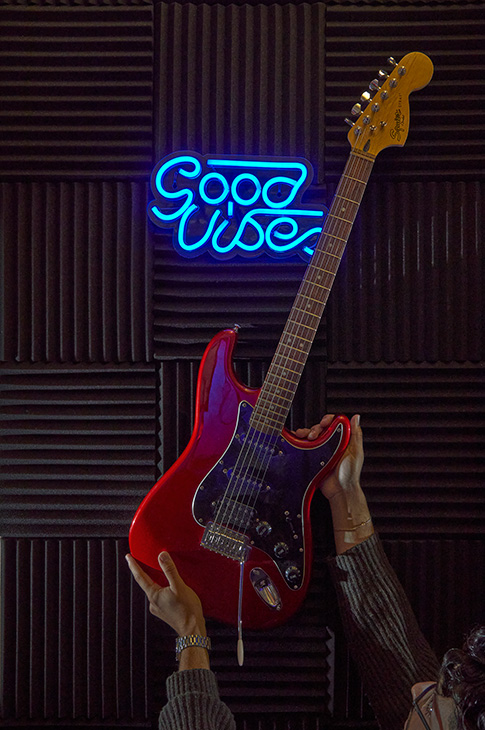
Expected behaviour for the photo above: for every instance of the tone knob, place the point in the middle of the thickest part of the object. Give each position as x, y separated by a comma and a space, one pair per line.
263, 528
281, 549
293, 574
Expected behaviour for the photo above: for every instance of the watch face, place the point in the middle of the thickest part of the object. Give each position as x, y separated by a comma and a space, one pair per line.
431, 711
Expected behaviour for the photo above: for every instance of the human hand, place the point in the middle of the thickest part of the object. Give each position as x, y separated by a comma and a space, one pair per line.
346, 475
177, 604
314, 432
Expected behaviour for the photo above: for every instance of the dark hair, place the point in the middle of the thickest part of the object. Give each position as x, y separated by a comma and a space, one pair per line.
463, 679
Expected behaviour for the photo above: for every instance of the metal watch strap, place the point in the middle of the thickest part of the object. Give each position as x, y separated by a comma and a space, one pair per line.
183, 642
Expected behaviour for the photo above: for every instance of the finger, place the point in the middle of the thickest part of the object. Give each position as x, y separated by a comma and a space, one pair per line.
356, 435
355, 428
316, 430
302, 433
142, 578
171, 573
327, 420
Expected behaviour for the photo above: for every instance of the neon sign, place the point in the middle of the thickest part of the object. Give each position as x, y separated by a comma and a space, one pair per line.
232, 206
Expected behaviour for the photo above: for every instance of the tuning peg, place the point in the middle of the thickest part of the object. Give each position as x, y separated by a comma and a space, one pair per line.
356, 109
392, 61
374, 85
383, 75
349, 122
365, 98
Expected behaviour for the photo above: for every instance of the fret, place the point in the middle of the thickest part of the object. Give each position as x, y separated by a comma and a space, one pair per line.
332, 273
287, 357
276, 395
272, 406
338, 238
289, 370
300, 324
264, 422
332, 215
292, 347
306, 311
320, 286
281, 387
354, 179
347, 200
298, 337
312, 299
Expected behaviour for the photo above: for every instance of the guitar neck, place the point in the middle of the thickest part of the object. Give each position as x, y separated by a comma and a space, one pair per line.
284, 373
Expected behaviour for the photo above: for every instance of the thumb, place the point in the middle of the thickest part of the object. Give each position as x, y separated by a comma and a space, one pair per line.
170, 571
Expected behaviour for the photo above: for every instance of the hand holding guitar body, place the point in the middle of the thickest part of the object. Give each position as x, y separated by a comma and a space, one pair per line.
179, 606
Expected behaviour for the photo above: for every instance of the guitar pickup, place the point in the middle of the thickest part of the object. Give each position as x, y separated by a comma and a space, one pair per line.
232, 512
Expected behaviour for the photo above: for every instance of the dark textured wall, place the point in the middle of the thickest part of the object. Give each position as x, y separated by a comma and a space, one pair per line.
102, 326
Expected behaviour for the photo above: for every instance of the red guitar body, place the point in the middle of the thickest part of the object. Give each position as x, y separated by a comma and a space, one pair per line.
276, 542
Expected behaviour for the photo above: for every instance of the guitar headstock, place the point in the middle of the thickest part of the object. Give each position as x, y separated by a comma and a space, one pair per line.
385, 120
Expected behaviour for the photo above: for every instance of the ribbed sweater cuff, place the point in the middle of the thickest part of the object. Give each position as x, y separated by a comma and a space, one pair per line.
192, 680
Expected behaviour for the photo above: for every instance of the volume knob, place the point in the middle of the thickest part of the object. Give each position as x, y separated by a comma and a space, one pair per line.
263, 528
281, 549
293, 574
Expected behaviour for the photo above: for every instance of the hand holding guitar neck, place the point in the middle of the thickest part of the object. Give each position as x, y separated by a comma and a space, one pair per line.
351, 518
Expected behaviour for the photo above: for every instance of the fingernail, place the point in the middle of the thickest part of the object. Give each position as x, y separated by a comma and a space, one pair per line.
358, 420
163, 557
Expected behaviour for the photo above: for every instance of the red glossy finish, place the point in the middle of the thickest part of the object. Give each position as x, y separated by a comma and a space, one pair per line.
164, 520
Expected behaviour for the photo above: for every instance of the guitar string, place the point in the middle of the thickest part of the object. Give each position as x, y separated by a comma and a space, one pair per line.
249, 448
322, 252
260, 439
261, 436
245, 487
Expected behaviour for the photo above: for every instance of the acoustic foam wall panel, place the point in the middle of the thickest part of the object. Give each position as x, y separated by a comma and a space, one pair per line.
241, 78
77, 448
424, 435
74, 635
76, 90
75, 272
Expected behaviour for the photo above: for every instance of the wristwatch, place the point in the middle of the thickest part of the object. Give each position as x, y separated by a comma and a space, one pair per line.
183, 642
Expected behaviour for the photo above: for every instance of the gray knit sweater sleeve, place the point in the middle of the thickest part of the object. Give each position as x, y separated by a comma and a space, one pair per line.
194, 703
382, 632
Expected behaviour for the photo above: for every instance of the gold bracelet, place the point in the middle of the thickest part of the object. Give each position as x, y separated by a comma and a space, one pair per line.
352, 529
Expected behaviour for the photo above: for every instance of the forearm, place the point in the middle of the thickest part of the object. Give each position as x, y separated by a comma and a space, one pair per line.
390, 651
351, 519
194, 657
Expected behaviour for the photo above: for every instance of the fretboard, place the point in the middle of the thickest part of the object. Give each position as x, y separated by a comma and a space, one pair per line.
280, 384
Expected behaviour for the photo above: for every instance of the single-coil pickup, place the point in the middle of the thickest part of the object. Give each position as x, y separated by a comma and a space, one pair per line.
233, 512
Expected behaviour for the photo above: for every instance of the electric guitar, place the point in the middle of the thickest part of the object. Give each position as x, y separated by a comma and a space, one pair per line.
234, 509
